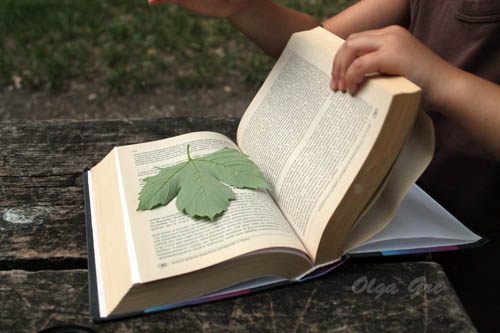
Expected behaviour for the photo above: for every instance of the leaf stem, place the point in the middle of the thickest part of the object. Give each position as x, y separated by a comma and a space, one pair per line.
189, 155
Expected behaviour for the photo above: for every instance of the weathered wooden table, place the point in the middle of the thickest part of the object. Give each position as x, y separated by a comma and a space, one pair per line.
43, 276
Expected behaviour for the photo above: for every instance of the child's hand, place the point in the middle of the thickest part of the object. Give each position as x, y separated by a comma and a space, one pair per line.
216, 8
392, 50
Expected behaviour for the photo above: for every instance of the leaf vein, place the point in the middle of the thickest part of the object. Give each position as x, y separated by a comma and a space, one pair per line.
223, 164
169, 179
198, 174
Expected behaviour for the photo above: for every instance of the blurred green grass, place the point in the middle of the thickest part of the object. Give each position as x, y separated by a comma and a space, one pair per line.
126, 45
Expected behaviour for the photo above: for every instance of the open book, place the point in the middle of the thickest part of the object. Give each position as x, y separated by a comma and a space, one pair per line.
338, 167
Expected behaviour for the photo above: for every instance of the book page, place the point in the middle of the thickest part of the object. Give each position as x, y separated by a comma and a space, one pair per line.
420, 222
416, 155
106, 206
309, 141
167, 242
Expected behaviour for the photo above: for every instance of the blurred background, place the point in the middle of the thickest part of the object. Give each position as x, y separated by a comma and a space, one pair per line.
118, 59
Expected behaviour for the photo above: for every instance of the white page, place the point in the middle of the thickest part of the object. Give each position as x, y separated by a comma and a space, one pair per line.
168, 242
309, 141
419, 222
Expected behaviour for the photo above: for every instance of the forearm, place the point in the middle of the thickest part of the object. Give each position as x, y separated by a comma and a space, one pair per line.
369, 15
472, 102
270, 25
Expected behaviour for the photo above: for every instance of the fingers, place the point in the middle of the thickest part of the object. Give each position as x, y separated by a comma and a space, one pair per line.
355, 46
359, 68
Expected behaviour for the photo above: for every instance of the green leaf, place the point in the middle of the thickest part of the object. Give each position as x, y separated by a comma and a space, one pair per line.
197, 183
162, 188
234, 168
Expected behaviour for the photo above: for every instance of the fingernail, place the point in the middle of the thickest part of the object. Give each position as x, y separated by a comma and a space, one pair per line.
341, 84
352, 89
333, 84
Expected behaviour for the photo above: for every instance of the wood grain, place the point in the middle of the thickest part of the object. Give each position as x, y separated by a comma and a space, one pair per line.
41, 195
33, 301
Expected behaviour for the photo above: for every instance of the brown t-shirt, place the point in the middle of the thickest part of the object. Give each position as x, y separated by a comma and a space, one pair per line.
462, 176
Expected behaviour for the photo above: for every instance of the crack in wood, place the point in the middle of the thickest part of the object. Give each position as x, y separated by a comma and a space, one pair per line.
50, 264
273, 319
300, 318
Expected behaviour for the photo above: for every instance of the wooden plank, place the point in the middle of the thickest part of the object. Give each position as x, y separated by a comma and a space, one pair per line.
33, 301
58, 147
41, 195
